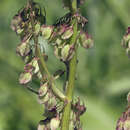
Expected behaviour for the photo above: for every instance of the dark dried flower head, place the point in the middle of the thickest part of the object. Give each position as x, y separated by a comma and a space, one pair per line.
23, 49
68, 32
78, 108
126, 39
43, 90
82, 21
55, 122
28, 68
46, 31
50, 113
51, 103
16, 24
67, 52
25, 77
124, 121
128, 31
43, 100
21, 22
61, 29
128, 98
64, 52
86, 40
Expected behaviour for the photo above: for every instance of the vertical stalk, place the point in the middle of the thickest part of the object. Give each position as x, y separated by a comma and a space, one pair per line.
71, 78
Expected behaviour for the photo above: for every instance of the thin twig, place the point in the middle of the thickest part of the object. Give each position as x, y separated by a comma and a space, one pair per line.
31, 89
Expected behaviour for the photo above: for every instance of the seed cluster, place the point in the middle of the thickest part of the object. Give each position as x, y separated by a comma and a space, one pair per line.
126, 42
30, 25
124, 121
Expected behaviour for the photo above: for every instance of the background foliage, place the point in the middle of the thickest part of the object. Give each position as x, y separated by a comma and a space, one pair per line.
102, 76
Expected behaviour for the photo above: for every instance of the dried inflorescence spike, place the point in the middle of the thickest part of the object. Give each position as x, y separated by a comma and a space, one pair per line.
128, 98
62, 50
64, 31
16, 24
124, 121
82, 21
78, 109
126, 41
86, 40
22, 25
29, 24
21, 22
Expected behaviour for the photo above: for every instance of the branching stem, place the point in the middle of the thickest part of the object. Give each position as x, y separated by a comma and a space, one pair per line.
31, 89
42, 64
71, 78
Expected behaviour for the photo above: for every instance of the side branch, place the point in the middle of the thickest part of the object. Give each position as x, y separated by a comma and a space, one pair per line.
42, 64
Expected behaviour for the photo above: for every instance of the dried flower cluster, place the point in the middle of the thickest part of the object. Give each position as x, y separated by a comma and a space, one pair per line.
126, 41
30, 24
124, 121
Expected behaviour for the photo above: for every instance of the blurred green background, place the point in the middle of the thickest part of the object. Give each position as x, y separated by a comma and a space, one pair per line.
103, 75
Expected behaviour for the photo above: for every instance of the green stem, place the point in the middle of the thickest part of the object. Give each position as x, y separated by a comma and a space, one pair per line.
69, 94
31, 89
43, 67
71, 79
